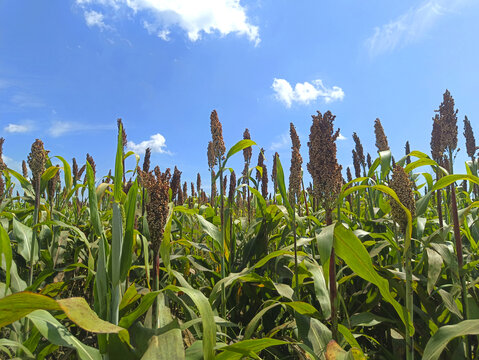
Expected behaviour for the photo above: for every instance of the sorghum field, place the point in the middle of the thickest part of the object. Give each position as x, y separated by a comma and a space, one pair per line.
138, 265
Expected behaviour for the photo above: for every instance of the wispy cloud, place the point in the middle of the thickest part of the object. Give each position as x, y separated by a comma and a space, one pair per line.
11, 163
304, 93
283, 143
94, 18
25, 100
156, 143
342, 137
18, 128
59, 128
193, 16
410, 26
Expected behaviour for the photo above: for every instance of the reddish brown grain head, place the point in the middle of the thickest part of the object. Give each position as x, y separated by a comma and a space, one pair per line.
36, 160
470, 140
323, 165
402, 185
381, 139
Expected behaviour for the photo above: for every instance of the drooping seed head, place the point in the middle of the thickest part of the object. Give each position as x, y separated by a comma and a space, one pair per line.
74, 169
80, 172
470, 140
357, 164
402, 186
198, 181
348, 174
52, 184
217, 135
24, 169
175, 182
212, 160
157, 207
274, 172
247, 152
36, 160
231, 194
407, 149
264, 182
295, 169
359, 149
437, 142
2, 164
448, 118
323, 165
260, 164
146, 160
123, 132
181, 199
381, 139
89, 158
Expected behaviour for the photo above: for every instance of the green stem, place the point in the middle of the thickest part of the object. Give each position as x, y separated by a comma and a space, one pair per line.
34, 232
409, 304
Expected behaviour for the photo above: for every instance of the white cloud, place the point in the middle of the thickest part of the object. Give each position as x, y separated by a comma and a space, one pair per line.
26, 100
12, 164
59, 128
283, 143
342, 137
17, 128
193, 16
304, 93
93, 18
410, 26
156, 143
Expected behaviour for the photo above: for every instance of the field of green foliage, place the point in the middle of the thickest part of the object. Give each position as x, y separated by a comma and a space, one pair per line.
138, 265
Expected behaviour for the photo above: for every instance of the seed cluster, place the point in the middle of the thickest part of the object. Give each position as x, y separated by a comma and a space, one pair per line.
323, 165
231, 194
359, 150
402, 185
247, 152
470, 140
448, 119
157, 185
217, 135
36, 161
381, 139
2, 164
296, 162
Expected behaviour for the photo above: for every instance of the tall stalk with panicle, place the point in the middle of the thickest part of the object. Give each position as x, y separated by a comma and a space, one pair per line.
175, 184
218, 148
274, 177
36, 162
247, 153
471, 150
381, 139
295, 192
402, 186
327, 179
437, 153
157, 185
231, 201
448, 127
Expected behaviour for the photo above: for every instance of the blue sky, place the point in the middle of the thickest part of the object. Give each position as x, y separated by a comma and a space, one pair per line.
69, 69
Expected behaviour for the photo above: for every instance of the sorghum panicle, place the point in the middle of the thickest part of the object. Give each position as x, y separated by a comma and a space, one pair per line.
470, 140
381, 139
247, 152
402, 185
217, 135
295, 169
36, 160
231, 194
323, 165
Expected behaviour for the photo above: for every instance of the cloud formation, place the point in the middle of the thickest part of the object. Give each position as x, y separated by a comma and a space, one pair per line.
156, 143
59, 128
94, 18
193, 16
17, 128
410, 26
304, 93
